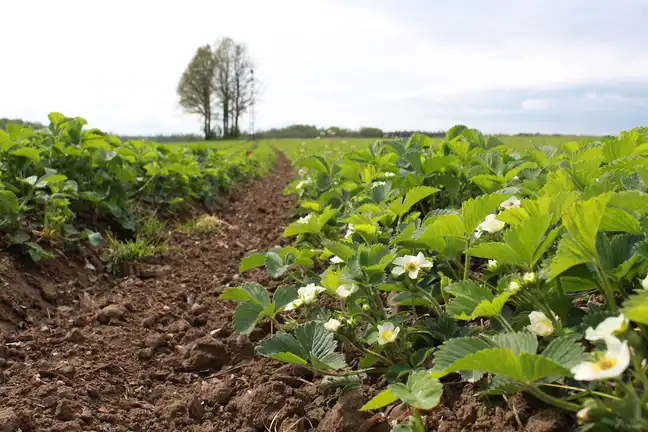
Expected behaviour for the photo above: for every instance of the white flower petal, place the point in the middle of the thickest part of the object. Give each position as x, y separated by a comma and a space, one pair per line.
610, 364
293, 305
510, 203
397, 271
491, 224
401, 261
332, 325
413, 274
540, 325
608, 327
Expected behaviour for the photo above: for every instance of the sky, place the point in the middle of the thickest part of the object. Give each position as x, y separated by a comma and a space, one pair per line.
502, 66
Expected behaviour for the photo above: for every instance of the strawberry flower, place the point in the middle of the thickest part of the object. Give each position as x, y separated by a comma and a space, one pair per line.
411, 265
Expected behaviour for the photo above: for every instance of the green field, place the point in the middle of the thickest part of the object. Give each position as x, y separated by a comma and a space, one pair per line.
297, 147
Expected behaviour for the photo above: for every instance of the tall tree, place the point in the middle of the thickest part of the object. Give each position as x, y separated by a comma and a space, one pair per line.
197, 88
224, 80
242, 86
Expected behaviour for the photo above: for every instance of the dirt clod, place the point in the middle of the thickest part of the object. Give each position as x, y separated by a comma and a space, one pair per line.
547, 420
64, 410
196, 409
467, 414
206, 353
345, 415
9, 421
110, 313
75, 335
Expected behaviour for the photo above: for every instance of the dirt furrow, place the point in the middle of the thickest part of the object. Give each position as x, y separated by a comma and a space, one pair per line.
140, 353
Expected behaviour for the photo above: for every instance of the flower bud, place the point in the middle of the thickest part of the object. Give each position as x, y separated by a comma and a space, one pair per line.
529, 277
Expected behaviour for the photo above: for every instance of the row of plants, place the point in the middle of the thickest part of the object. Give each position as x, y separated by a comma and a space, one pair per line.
58, 183
520, 270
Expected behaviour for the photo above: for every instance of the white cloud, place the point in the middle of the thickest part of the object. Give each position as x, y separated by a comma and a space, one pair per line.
327, 62
535, 104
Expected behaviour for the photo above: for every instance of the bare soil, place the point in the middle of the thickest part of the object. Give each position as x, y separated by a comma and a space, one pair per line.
81, 350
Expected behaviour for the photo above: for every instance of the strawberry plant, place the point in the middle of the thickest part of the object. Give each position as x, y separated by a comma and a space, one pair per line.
519, 268
56, 180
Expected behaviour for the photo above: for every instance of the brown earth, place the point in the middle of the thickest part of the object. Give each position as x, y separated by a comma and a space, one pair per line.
155, 351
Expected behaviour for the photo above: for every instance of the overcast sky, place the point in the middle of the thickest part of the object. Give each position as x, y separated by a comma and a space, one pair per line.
570, 66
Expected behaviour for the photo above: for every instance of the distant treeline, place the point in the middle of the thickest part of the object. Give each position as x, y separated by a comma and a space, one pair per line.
293, 131
5, 121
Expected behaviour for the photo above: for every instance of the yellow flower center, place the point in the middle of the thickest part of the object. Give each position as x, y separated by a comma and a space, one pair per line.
388, 334
409, 267
604, 363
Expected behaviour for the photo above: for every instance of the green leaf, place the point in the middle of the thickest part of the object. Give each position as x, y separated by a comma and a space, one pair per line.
472, 301
94, 238
618, 220
413, 196
525, 237
6, 143
519, 342
288, 357
455, 131
384, 398
475, 210
326, 215
487, 308
28, 152
235, 294
501, 252
8, 203
252, 261
19, 237
565, 351
320, 345
421, 391
632, 200
258, 293
342, 250
281, 343
578, 245
246, 316
317, 163
275, 265
635, 308
283, 295
467, 295
455, 349
525, 368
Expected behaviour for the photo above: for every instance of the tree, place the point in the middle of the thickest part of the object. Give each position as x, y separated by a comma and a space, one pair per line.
242, 81
224, 80
197, 88
234, 81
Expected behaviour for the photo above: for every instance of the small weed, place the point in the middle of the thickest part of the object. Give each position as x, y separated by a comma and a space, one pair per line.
118, 251
202, 224
151, 229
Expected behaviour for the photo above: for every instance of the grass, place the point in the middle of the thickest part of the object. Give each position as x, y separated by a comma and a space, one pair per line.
296, 147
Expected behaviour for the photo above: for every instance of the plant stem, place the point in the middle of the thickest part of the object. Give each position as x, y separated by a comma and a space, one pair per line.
454, 273
435, 304
417, 417
504, 323
365, 350
535, 391
607, 289
276, 323
341, 374
466, 264
566, 387
563, 299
